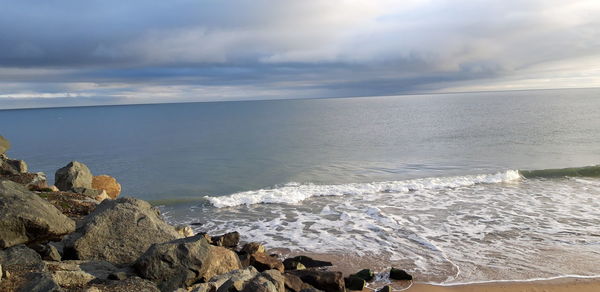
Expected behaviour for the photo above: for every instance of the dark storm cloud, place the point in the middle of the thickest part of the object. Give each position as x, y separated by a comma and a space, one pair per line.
224, 50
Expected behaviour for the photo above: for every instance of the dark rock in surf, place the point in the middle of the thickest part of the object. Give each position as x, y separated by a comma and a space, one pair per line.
354, 283
398, 274
308, 262
324, 280
386, 288
293, 265
365, 274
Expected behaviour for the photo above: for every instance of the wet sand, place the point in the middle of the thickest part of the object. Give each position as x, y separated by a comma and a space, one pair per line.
559, 285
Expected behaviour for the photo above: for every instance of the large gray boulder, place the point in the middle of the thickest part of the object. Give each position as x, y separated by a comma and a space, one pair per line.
118, 231
73, 175
182, 262
4, 145
25, 217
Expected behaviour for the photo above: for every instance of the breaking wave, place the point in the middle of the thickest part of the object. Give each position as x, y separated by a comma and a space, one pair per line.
292, 193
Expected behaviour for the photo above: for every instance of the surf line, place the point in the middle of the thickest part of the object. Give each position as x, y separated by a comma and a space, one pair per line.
445, 284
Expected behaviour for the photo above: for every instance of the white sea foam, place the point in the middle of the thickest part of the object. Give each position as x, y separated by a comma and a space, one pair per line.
443, 230
292, 193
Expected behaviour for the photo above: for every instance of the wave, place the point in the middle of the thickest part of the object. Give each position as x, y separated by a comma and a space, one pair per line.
292, 193
586, 171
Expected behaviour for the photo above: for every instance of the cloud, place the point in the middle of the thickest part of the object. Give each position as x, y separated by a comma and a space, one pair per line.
159, 50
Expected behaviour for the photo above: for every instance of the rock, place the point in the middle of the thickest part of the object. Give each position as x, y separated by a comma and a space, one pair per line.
308, 262
21, 257
324, 280
118, 231
231, 239
234, 280
25, 217
39, 282
4, 145
128, 285
119, 276
182, 262
107, 183
294, 283
79, 273
18, 261
11, 166
184, 230
355, 283
71, 204
365, 274
262, 262
53, 188
98, 195
313, 289
47, 252
267, 281
1, 274
398, 274
293, 265
73, 175
32, 181
253, 247
386, 288
202, 287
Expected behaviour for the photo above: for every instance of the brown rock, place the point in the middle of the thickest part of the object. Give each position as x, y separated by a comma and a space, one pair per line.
230, 240
324, 280
253, 247
294, 283
262, 262
107, 183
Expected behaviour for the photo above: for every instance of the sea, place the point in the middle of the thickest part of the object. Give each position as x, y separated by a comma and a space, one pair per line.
435, 184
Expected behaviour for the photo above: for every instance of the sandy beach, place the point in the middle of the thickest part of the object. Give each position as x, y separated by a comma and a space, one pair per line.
559, 285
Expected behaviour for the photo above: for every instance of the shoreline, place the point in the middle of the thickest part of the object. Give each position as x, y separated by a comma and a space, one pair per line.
563, 284
79, 234
348, 264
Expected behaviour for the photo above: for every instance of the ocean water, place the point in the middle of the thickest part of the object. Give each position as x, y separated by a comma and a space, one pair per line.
430, 183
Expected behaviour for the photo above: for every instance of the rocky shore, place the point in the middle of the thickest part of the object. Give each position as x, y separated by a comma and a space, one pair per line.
79, 234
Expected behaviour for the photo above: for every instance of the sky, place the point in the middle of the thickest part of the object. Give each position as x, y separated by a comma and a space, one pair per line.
73, 52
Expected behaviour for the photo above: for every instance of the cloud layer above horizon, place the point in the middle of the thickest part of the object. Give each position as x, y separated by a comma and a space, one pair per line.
106, 52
